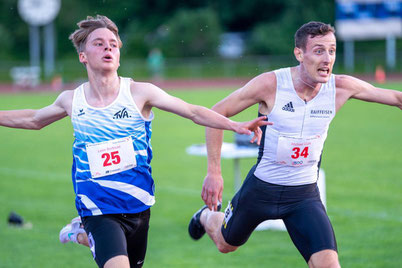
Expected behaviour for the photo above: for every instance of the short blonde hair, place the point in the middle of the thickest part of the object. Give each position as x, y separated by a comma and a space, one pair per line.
86, 27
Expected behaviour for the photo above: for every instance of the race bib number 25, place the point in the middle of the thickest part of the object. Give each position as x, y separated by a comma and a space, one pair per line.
111, 157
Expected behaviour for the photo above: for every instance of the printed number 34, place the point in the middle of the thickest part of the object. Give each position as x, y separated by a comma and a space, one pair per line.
297, 152
111, 158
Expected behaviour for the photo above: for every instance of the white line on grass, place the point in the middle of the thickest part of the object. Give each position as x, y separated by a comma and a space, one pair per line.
44, 175
33, 174
383, 215
47, 175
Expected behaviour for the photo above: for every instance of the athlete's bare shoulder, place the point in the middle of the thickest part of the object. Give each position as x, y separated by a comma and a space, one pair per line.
65, 100
349, 87
345, 82
141, 88
265, 81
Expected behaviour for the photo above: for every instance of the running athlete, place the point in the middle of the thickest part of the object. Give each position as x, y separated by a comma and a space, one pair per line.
301, 101
111, 117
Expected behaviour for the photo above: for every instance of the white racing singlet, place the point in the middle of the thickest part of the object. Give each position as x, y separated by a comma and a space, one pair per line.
290, 150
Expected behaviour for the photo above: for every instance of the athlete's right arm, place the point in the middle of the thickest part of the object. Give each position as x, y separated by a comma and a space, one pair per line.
260, 90
38, 118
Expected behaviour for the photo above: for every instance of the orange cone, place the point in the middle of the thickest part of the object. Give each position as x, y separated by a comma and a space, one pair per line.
380, 75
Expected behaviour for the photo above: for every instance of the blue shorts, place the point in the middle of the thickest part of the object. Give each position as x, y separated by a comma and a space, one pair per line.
299, 207
112, 235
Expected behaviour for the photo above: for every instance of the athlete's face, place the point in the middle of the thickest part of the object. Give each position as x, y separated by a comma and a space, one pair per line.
318, 59
101, 51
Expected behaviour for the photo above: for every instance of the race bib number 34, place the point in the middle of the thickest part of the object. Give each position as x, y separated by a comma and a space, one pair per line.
111, 157
299, 151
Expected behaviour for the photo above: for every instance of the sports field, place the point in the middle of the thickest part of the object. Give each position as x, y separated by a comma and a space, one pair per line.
362, 161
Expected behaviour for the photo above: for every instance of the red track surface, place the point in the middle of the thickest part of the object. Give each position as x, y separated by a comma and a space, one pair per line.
184, 84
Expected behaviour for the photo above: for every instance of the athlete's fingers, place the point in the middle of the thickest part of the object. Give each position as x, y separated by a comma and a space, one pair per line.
220, 198
257, 136
203, 195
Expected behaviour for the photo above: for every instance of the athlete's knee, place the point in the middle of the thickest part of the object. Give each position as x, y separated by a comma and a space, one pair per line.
224, 247
324, 259
82, 239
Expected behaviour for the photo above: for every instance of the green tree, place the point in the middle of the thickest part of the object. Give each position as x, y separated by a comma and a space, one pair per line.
276, 37
191, 33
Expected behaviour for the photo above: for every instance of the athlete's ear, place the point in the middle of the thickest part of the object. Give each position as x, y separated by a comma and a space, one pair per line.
298, 54
82, 57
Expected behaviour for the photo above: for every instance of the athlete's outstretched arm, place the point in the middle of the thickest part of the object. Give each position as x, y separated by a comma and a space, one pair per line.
201, 115
36, 119
350, 87
260, 90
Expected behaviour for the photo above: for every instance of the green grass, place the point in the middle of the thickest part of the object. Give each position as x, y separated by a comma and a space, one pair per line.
362, 161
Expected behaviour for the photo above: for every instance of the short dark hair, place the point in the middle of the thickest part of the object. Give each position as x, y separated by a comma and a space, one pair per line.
311, 29
79, 36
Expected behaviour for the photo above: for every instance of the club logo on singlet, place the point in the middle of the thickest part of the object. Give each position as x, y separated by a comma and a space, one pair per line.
81, 112
121, 114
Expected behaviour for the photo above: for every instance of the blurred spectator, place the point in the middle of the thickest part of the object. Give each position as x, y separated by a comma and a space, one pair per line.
156, 63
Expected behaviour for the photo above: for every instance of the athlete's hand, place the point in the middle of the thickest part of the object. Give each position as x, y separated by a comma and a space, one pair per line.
253, 126
212, 189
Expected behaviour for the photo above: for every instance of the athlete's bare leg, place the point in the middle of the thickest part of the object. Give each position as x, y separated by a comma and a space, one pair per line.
82, 239
324, 259
212, 222
120, 261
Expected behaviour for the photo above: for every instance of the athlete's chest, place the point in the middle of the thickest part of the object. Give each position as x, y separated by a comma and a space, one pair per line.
293, 115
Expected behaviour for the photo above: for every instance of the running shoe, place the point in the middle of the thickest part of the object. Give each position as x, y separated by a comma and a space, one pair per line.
71, 230
195, 228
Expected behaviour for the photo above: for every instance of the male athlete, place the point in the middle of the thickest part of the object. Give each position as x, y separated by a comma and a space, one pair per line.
111, 117
301, 102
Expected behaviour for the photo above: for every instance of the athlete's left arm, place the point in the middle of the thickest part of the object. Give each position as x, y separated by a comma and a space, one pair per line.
158, 98
350, 87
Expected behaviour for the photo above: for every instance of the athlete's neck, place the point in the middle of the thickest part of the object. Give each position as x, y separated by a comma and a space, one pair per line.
305, 90
102, 90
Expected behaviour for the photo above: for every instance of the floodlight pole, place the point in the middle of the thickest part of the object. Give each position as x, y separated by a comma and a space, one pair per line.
391, 51
34, 45
49, 46
349, 55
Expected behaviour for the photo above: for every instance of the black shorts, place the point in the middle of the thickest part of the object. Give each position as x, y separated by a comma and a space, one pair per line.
111, 235
299, 207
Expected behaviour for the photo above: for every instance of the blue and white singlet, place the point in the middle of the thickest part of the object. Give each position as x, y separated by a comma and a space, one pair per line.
290, 150
112, 153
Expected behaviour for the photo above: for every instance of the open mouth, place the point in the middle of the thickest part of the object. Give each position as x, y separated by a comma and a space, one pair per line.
323, 71
107, 58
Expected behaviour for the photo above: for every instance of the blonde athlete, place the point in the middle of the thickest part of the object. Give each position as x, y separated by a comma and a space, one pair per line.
111, 117
301, 101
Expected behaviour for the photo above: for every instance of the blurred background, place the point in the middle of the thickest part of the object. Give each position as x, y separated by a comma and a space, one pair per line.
165, 39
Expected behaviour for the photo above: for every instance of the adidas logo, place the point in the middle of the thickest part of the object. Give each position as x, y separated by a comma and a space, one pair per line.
121, 114
289, 107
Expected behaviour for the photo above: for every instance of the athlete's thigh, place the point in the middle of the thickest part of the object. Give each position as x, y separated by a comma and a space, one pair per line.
106, 237
310, 228
249, 207
137, 238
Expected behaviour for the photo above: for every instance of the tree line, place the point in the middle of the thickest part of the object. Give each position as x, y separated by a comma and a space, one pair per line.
180, 28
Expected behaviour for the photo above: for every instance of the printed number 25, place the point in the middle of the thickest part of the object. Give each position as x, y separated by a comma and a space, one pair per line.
114, 156
297, 153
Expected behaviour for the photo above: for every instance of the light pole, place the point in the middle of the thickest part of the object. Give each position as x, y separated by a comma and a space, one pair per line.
39, 13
